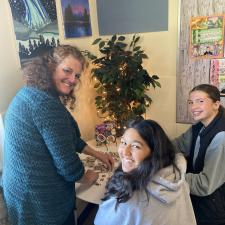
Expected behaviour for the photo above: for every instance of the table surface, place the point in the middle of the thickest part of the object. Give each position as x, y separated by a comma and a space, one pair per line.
95, 193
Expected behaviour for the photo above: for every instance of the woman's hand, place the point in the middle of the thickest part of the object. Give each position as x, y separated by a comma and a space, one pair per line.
89, 178
107, 159
104, 157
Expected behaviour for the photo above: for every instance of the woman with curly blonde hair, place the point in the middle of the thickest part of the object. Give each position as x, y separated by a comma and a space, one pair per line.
42, 140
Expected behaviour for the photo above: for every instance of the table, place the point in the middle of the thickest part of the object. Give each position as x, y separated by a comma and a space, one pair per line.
95, 193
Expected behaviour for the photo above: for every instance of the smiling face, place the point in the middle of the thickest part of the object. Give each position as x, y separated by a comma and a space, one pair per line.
132, 150
202, 107
66, 75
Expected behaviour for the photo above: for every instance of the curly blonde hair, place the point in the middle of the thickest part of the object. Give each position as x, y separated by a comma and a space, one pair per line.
38, 72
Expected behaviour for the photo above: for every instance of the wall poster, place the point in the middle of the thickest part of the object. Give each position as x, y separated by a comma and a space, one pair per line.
76, 17
217, 74
35, 25
206, 37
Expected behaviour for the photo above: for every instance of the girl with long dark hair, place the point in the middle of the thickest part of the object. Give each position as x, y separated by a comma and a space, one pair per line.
149, 187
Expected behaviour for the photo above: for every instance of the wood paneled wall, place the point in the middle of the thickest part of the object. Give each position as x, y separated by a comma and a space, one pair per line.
192, 72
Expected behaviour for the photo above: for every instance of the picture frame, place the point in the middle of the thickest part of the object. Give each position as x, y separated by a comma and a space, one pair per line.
35, 25
217, 74
76, 18
206, 37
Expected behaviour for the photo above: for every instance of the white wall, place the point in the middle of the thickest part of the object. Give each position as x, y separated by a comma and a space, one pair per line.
160, 46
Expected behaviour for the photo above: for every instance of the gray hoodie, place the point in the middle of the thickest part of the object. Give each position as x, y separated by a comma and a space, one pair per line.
169, 202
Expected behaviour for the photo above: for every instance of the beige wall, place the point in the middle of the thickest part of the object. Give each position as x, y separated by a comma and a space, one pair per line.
160, 46
10, 76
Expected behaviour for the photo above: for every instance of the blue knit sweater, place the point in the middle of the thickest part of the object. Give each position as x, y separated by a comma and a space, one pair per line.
40, 160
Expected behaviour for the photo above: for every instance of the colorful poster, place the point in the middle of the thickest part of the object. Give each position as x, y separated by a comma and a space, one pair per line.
76, 17
35, 25
207, 37
217, 74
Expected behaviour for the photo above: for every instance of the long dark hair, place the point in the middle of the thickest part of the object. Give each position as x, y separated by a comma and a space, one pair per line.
122, 184
38, 72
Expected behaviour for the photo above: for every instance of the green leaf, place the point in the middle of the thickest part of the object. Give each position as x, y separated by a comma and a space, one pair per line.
147, 98
99, 91
121, 38
137, 48
131, 43
101, 44
113, 38
104, 51
136, 39
92, 57
96, 41
88, 54
121, 44
110, 44
153, 84
158, 84
96, 61
98, 98
144, 56
137, 92
155, 77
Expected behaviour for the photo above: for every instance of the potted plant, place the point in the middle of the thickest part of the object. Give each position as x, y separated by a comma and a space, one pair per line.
121, 81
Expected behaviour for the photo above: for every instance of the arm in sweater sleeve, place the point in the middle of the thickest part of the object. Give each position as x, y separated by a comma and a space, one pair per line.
59, 134
213, 174
183, 142
80, 144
